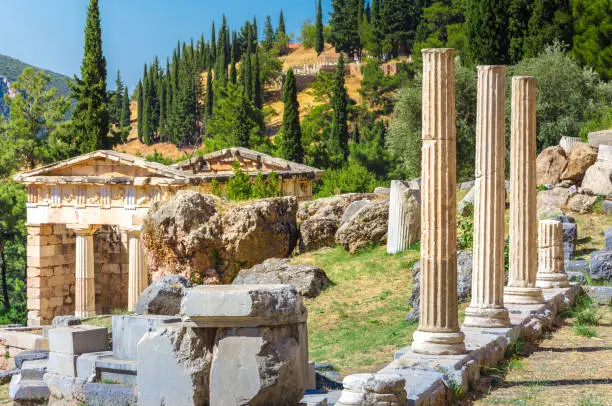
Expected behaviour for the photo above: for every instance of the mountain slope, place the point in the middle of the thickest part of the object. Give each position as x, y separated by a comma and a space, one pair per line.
11, 68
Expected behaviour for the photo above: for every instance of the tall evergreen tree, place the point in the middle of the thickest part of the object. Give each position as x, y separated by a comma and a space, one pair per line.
356, 135
116, 101
144, 120
337, 144
242, 128
487, 32
320, 41
213, 44
161, 131
518, 19
257, 88
140, 108
208, 106
255, 33
550, 20
90, 117
291, 141
268, 40
246, 78
344, 26
125, 109
281, 25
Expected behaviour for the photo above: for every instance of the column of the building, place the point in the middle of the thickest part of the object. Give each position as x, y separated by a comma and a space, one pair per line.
551, 269
137, 273
523, 216
438, 331
487, 306
403, 227
85, 287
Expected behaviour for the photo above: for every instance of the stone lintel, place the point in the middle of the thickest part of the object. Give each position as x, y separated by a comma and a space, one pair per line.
83, 229
243, 306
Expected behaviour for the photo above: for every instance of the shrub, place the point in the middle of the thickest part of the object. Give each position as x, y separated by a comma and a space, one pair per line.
351, 178
240, 186
159, 158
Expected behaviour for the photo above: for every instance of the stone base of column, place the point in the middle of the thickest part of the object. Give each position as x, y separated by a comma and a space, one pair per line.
426, 342
486, 317
552, 280
523, 296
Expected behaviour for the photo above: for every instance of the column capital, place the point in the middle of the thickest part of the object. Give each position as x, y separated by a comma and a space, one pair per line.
83, 229
131, 230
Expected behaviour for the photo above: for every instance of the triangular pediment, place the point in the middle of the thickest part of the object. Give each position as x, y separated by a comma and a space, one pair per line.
105, 164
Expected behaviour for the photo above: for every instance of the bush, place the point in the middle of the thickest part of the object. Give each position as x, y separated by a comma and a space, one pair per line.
159, 158
351, 178
240, 187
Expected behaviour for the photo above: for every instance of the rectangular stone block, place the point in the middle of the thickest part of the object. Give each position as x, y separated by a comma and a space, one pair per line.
86, 363
243, 305
77, 340
129, 329
62, 364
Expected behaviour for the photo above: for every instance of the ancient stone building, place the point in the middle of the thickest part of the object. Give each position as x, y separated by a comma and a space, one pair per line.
84, 216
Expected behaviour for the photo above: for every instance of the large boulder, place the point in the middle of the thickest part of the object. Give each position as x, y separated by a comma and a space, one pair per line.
556, 197
608, 238
309, 280
367, 226
192, 233
466, 206
581, 203
163, 296
603, 137
318, 232
598, 179
320, 218
581, 157
549, 165
570, 235
601, 264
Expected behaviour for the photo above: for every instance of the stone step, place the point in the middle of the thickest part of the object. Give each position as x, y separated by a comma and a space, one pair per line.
33, 370
116, 370
315, 398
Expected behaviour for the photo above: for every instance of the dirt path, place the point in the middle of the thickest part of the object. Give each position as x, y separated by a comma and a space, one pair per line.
564, 369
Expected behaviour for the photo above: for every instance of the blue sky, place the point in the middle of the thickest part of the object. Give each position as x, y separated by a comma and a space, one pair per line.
49, 33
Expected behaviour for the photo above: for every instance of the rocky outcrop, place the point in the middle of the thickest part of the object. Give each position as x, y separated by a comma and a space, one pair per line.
581, 203
193, 234
321, 218
162, 297
601, 265
367, 226
598, 179
556, 197
550, 165
581, 157
309, 280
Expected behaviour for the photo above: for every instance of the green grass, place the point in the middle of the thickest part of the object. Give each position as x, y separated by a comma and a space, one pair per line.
584, 331
357, 323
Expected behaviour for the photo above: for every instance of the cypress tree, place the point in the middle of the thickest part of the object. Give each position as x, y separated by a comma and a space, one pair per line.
268, 41
246, 76
257, 88
337, 145
235, 48
125, 109
291, 142
281, 25
90, 118
140, 108
233, 75
487, 32
255, 34
209, 96
161, 131
117, 100
146, 130
242, 129
356, 134
320, 42
213, 44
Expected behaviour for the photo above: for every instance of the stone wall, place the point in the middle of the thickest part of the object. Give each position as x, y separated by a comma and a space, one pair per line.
111, 263
51, 272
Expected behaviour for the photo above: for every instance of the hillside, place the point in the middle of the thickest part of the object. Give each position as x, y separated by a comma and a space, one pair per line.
11, 68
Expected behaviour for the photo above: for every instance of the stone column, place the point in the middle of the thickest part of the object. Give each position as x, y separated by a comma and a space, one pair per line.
438, 331
487, 306
137, 274
404, 221
41, 251
85, 287
551, 269
523, 216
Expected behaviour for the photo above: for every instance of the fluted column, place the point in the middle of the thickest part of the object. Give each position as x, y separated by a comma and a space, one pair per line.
404, 212
523, 217
85, 286
438, 331
137, 272
551, 268
487, 306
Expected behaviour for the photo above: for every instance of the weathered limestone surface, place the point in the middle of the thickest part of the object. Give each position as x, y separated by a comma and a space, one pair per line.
487, 306
551, 273
598, 179
404, 217
568, 143
243, 305
438, 331
272, 368
373, 389
174, 366
365, 227
163, 297
129, 329
550, 164
603, 137
581, 157
523, 217
309, 280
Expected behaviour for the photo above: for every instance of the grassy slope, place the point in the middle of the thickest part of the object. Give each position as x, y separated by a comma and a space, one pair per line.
358, 323
11, 68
